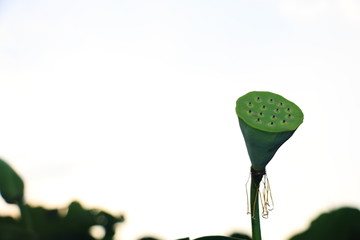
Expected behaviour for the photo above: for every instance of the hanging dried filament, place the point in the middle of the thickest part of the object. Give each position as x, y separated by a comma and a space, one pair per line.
264, 193
266, 199
247, 196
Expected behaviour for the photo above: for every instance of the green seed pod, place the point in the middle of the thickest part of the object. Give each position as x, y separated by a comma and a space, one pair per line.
266, 120
11, 185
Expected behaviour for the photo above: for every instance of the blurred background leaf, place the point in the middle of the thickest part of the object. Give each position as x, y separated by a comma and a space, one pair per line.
342, 223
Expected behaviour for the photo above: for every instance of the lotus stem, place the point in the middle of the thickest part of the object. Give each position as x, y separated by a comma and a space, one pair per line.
256, 177
25, 215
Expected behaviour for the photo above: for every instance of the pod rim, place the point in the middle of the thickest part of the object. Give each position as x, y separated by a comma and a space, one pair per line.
269, 112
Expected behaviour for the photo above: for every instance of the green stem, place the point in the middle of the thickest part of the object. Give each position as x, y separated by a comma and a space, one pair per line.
254, 201
25, 215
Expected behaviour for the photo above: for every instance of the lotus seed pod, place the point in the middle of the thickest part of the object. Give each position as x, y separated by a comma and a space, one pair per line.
267, 120
11, 185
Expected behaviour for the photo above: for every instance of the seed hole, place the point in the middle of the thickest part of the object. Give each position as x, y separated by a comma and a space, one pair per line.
261, 113
258, 98
283, 121
288, 109
258, 120
281, 104
263, 107
249, 104
271, 123
273, 116
289, 115
249, 111
277, 110
271, 100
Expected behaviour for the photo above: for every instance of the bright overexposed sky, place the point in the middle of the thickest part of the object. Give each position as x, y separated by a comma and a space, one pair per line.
129, 106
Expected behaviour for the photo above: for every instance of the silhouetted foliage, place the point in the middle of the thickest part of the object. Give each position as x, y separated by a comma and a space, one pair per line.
233, 236
38, 223
240, 236
343, 223
11, 229
215, 237
49, 224
148, 238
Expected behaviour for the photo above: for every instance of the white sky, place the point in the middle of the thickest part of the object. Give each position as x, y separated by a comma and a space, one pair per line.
130, 106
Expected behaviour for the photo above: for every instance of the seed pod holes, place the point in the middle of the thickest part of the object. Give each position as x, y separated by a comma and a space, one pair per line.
268, 112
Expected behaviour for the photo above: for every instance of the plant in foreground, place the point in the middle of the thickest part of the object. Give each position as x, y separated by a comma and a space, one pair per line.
267, 120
